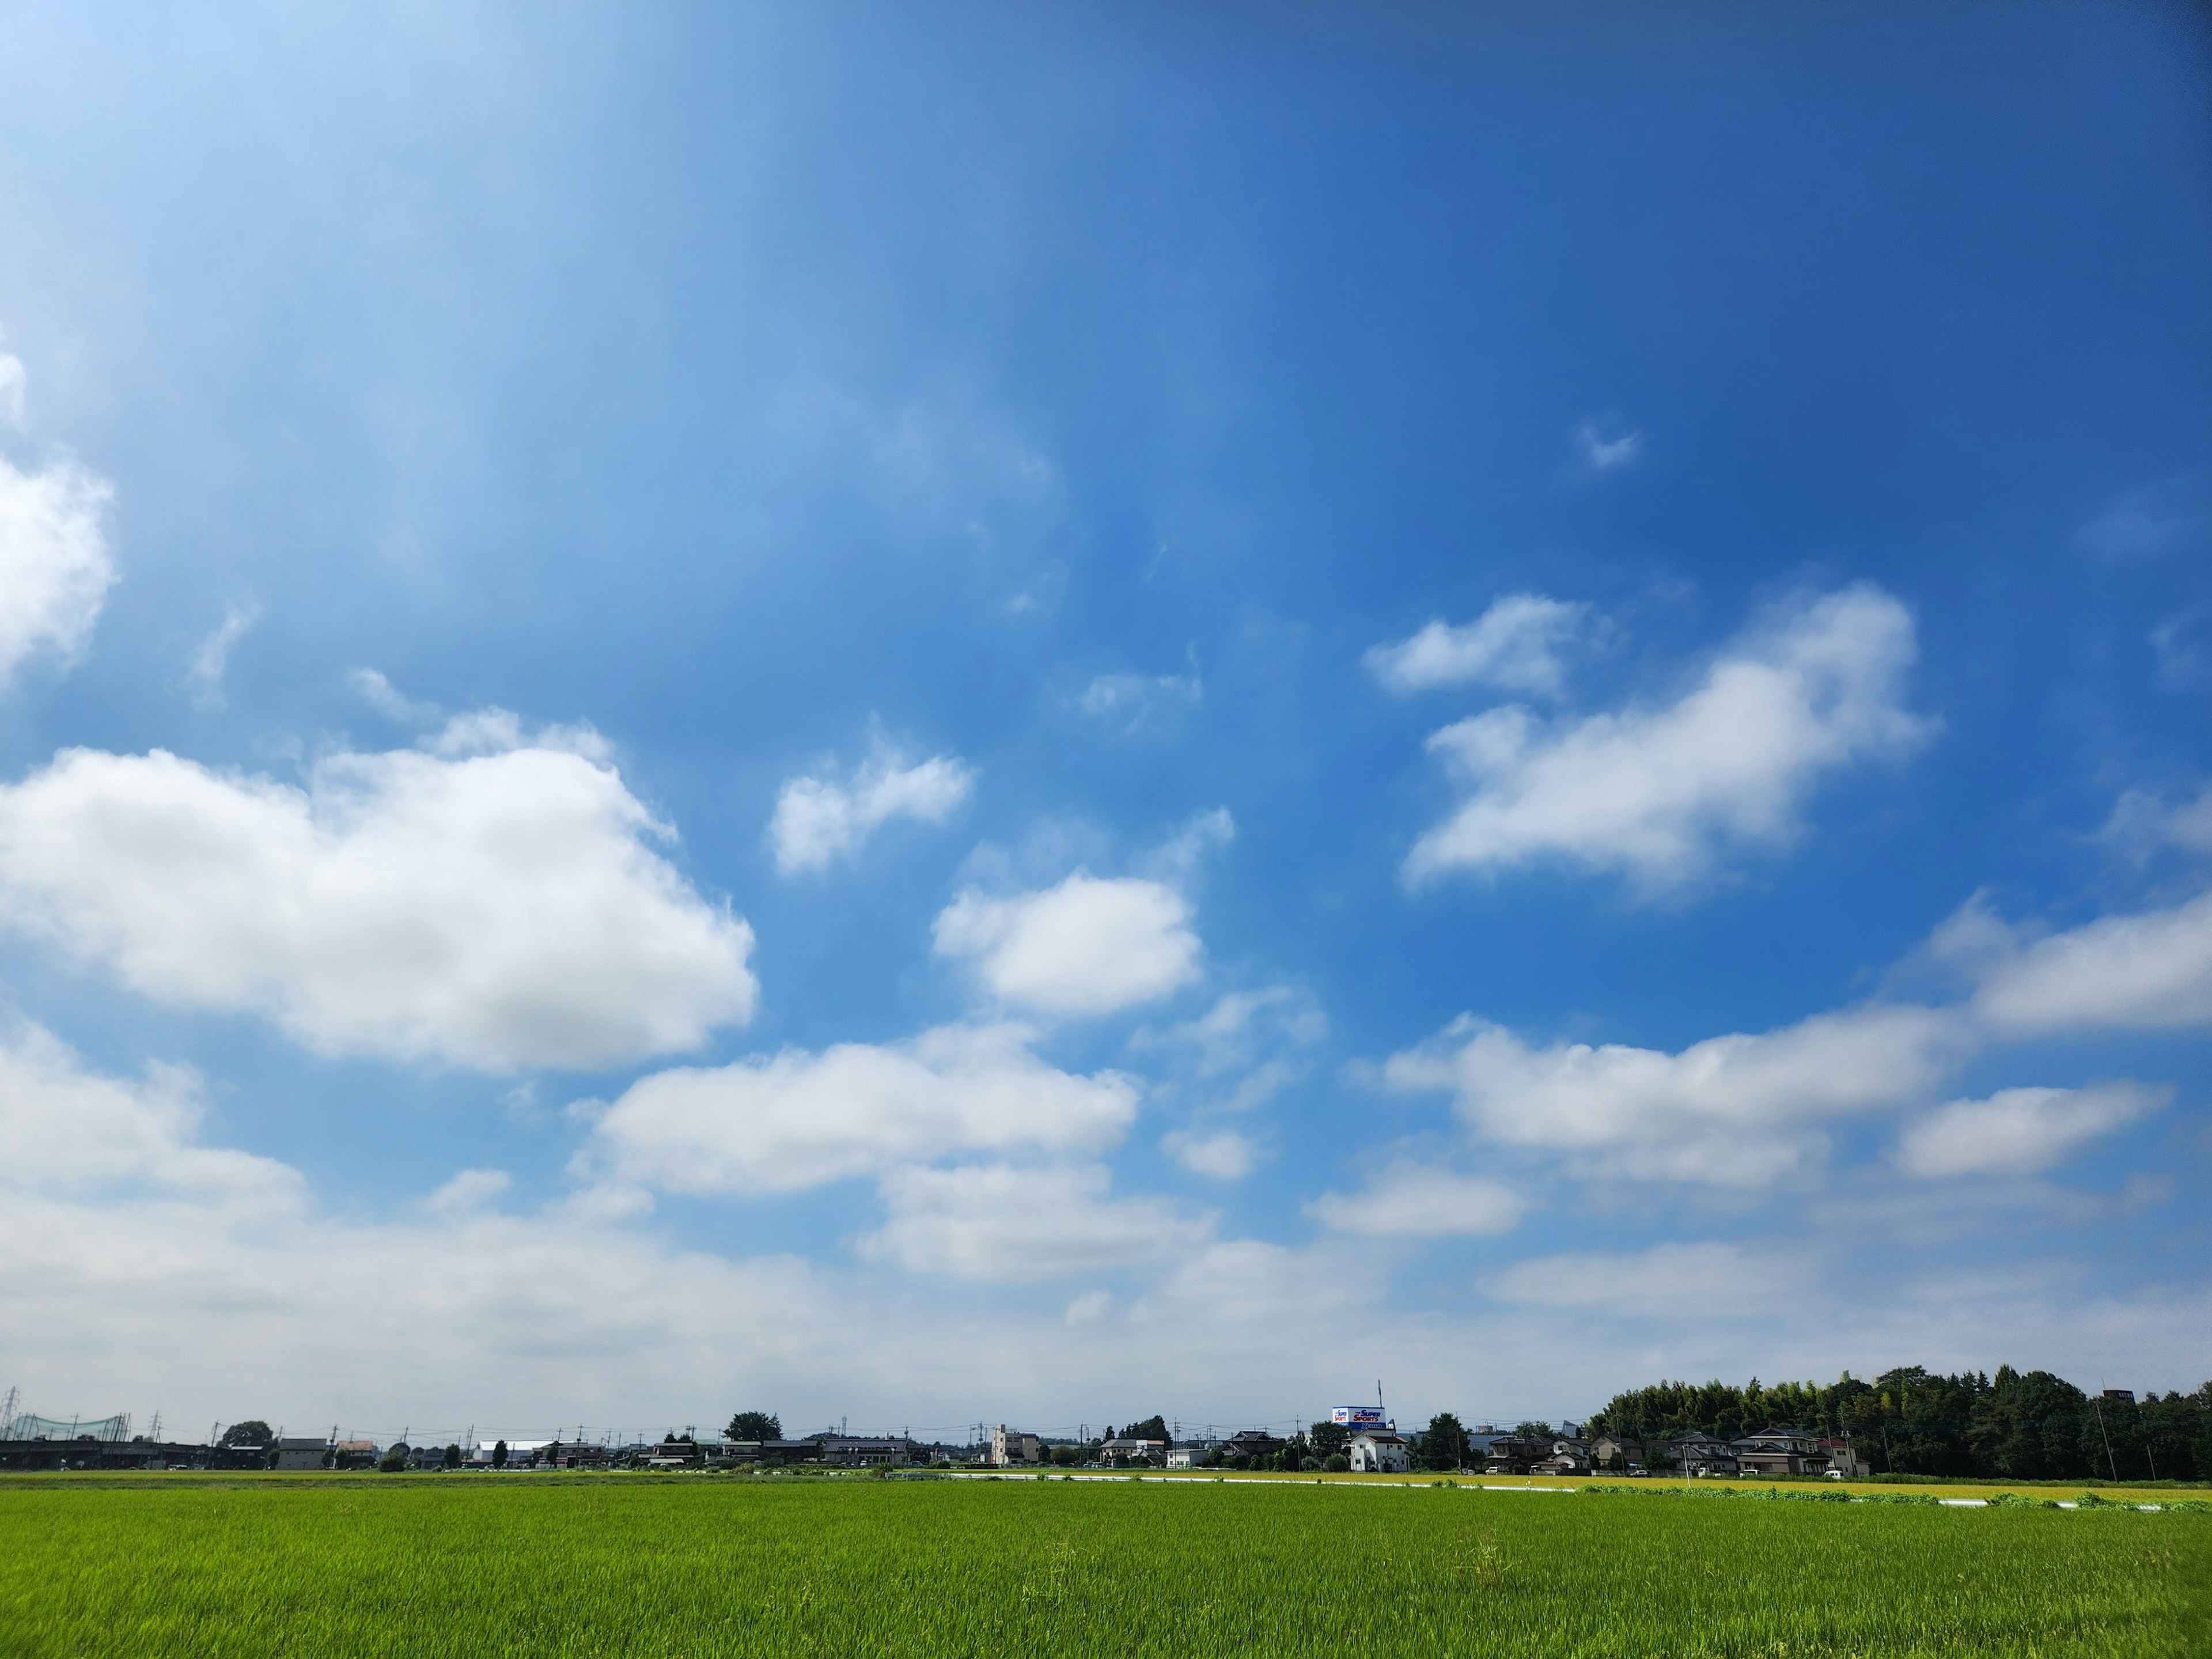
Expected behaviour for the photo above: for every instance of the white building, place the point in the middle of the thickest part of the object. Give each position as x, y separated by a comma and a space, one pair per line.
1012, 1446
1379, 1451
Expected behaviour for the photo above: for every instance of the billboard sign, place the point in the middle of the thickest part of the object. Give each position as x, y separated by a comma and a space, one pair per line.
1357, 1417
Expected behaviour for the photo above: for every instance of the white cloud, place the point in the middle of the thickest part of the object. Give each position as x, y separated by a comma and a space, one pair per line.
212, 655
2148, 520
795, 1119
13, 384
68, 1129
146, 1269
1016, 1226
1733, 1111
1514, 645
1672, 1282
1088, 945
1131, 699
1176, 860
2019, 1131
2149, 971
469, 1189
1242, 1026
1419, 1201
380, 694
820, 819
2142, 822
1660, 792
55, 568
503, 909
1604, 448
1223, 1155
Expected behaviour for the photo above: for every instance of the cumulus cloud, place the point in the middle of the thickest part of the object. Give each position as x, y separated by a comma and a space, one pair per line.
820, 819
55, 567
1514, 645
147, 1269
69, 1129
2149, 971
2019, 1131
212, 655
496, 905
1420, 1200
1660, 792
1603, 447
794, 1120
1012, 1226
1088, 945
1223, 1155
1733, 1111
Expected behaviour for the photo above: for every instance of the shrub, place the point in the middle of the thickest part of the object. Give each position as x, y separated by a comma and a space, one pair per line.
1337, 1463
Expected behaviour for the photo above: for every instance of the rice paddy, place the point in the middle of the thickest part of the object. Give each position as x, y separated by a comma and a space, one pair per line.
714, 1565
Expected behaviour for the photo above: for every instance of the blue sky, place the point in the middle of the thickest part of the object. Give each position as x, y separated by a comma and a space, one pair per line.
976, 712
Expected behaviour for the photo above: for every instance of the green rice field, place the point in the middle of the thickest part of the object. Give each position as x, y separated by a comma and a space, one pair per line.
726, 1565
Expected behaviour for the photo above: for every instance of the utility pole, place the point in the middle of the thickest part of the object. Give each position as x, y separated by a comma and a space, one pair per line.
2110, 1467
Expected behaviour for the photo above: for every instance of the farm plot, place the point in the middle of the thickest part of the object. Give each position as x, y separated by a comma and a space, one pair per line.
615, 1565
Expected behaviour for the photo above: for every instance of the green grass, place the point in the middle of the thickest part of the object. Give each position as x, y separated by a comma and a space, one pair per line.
712, 1566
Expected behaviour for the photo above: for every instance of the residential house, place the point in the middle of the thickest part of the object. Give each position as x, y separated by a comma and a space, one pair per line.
1844, 1459
1567, 1456
1011, 1446
1379, 1451
1611, 1450
1509, 1455
1780, 1451
859, 1452
302, 1454
1125, 1450
1697, 1453
353, 1453
1252, 1444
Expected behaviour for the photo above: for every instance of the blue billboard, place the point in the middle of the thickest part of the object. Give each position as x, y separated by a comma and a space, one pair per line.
1357, 1417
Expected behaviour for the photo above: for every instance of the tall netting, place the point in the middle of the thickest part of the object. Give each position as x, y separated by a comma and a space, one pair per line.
30, 1426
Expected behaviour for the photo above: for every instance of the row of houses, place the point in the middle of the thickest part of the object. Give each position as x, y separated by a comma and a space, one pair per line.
1771, 1451
1375, 1448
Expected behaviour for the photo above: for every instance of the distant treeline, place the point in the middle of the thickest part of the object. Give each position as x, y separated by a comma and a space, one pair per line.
2017, 1425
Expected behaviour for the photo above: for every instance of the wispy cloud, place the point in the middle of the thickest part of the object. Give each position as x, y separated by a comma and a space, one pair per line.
14, 382
211, 657
2150, 518
380, 694
1132, 700
1604, 445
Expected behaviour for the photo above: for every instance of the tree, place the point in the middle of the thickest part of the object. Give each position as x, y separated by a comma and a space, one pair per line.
1152, 1428
1443, 1442
1329, 1439
252, 1432
755, 1426
1528, 1429
1336, 1463
453, 1457
395, 1459
499, 1453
